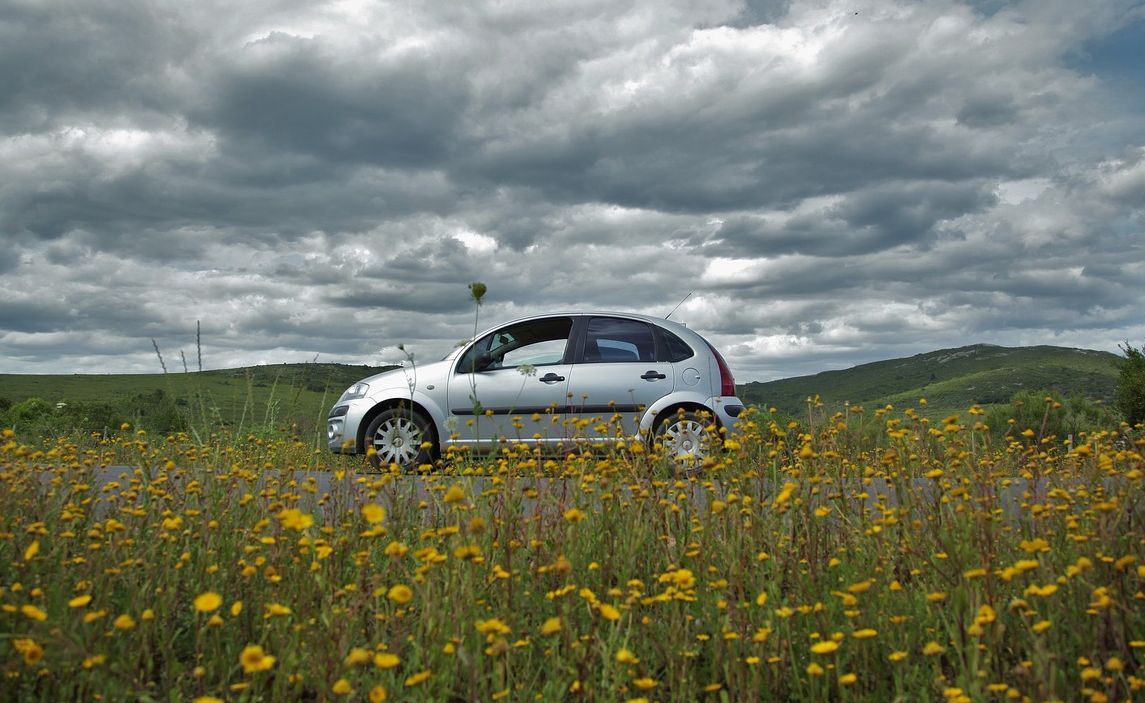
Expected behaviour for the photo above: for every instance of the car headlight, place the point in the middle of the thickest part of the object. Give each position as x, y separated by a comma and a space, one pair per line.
358, 390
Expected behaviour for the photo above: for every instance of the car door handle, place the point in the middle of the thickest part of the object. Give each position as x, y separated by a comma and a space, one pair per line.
653, 376
551, 378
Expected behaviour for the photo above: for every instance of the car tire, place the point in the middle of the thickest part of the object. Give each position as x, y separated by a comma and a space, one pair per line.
396, 435
686, 439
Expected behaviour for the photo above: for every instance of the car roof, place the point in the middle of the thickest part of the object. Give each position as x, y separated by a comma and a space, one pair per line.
660, 321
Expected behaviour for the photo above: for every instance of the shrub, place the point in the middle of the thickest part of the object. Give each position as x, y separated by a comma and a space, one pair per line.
1130, 394
29, 411
1048, 414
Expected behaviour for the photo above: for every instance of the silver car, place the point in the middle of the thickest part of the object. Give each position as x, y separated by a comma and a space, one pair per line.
555, 381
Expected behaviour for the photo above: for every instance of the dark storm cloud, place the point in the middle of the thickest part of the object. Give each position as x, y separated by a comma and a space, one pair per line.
289, 93
863, 222
60, 61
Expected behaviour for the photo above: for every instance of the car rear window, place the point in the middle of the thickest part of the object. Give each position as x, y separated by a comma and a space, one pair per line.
675, 348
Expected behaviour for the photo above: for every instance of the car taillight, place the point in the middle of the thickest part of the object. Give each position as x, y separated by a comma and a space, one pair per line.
727, 383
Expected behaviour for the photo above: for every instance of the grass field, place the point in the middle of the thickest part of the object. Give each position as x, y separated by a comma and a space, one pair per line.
202, 577
275, 396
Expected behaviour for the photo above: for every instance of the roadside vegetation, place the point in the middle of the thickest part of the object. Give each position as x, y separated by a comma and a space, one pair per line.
803, 563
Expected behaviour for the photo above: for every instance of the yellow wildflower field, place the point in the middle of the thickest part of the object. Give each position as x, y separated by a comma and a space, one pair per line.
799, 564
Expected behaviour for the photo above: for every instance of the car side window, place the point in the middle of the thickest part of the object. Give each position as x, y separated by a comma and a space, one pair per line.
535, 342
676, 349
612, 339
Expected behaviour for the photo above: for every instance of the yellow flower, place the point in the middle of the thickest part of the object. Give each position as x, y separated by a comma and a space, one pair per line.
377, 694
551, 626
986, 615
357, 656
933, 648
936, 597
574, 515
31, 651
32, 550
644, 683
373, 513
418, 678
786, 491
682, 578
609, 612
493, 626
1034, 546
386, 660
455, 494
253, 659
342, 687
1043, 591
824, 647
814, 669
207, 602
897, 656
468, 552
624, 656
396, 549
124, 622
273, 609
295, 519
400, 594
79, 601
33, 612
761, 599
865, 633
207, 699
236, 608
847, 679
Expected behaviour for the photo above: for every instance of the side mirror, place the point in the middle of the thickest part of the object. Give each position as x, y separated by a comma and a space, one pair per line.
483, 361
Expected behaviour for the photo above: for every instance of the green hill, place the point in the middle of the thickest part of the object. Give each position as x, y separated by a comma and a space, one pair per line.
950, 379
278, 394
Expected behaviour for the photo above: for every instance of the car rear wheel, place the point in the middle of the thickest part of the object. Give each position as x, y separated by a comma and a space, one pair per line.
686, 439
396, 436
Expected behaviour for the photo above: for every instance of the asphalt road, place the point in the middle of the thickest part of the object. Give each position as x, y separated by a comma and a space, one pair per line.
322, 492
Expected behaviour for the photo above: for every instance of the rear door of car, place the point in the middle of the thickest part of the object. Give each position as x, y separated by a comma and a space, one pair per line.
615, 376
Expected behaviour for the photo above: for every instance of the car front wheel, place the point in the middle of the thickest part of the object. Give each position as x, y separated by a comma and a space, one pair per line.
396, 436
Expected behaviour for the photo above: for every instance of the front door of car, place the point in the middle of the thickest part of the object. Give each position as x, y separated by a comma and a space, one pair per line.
616, 378
512, 384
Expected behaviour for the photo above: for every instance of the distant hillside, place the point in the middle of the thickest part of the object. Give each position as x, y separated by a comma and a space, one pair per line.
950, 379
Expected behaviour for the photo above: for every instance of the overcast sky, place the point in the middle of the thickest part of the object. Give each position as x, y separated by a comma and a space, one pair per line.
835, 182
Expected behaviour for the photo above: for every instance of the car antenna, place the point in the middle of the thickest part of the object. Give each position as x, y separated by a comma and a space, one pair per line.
689, 295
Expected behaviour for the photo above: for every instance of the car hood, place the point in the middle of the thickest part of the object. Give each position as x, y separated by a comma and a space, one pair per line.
419, 374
